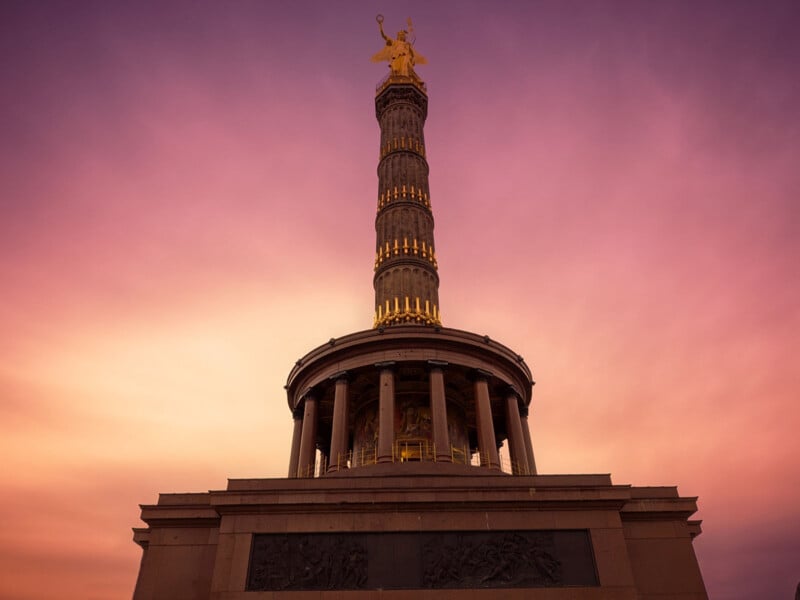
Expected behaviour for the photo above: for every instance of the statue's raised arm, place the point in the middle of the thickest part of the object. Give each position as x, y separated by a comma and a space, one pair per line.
399, 53
379, 19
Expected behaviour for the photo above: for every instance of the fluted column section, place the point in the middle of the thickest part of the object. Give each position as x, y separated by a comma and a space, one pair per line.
406, 270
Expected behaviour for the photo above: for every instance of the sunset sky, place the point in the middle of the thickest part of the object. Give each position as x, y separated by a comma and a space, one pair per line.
187, 202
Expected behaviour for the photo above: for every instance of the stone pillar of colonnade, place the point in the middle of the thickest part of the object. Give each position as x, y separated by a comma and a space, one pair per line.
340, 431
487, 443
308, 438
294, 456
526, 435
441, 437
386, 413
516, 438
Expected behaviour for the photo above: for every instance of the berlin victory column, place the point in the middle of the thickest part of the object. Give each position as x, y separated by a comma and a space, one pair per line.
397, 487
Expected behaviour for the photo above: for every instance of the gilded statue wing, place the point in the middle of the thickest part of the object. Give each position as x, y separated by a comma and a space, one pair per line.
419, 59
383, 55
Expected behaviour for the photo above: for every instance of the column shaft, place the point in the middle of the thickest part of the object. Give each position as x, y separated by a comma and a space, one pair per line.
386, 417
516, 439
308, 439
294, 456
340, 434
526, 434
441, 437
487, 444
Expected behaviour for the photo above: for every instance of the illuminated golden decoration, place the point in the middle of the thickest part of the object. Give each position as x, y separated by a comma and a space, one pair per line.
415, 248
400, 54
403, 145
405, 311
418, 450
404, 193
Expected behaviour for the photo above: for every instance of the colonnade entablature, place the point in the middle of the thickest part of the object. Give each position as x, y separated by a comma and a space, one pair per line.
409, 394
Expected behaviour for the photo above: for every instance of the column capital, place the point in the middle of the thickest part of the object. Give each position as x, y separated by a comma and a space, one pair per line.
387, 364
437, 364
512, 389
482, 374
340, 375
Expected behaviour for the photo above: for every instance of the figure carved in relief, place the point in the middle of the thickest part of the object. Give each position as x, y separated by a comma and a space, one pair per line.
511, 560
308, 562
399, 52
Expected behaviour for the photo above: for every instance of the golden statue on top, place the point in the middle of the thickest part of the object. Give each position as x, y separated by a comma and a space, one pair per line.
399, 52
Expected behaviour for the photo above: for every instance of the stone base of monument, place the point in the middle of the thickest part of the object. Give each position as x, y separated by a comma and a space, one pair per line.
418, 533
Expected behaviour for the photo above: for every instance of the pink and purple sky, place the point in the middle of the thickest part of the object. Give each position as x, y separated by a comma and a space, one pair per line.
187, 195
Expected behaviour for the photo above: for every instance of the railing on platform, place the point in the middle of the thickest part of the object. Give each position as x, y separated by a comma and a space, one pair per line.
413, 451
